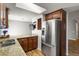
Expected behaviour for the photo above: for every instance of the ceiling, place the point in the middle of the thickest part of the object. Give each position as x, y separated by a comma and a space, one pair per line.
27, 16
20, 14
69, 7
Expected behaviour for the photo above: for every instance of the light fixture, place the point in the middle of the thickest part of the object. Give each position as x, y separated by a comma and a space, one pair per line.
31, 7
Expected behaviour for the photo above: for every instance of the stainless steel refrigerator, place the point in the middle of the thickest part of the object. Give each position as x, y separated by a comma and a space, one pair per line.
51, 42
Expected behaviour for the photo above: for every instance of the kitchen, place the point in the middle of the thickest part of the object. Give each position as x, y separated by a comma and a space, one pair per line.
32, 31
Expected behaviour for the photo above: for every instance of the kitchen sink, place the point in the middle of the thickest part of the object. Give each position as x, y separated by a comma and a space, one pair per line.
7, 43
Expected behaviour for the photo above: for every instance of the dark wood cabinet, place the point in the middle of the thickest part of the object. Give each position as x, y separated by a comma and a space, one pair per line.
35, 45
25, 44
6, 22
28, 43
39, 24
4, 18
30, 46
58, 14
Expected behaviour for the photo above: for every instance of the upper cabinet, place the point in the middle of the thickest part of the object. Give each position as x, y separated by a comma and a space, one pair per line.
3, 16
58, 14
39, 24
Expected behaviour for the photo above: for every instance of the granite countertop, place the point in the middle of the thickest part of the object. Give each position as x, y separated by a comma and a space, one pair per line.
12, 50
21, 36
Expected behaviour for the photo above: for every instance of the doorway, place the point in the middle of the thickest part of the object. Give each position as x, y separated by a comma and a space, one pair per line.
73, 34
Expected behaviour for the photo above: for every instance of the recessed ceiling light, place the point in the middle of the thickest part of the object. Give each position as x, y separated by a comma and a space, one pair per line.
31, 7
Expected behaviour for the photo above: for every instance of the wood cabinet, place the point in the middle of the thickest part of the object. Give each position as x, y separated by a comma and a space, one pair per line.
36, 44
24, 44
28, 43
30, 46
39, 24
4, 16
6, 22
55, 15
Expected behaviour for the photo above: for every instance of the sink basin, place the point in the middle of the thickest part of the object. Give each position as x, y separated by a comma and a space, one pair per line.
7, 42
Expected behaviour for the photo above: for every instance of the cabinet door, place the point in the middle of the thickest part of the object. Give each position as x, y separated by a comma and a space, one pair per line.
35, 43
39, 24
4, 18
6, 22
30, 42
48, 16
25, 44
57, 15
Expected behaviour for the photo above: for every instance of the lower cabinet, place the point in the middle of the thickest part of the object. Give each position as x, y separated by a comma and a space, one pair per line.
35, 45
25, 44
28, 43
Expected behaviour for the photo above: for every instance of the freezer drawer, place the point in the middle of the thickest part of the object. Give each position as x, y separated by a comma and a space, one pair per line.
48, 50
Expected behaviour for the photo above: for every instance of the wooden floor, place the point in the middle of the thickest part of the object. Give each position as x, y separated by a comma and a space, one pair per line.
73, 47
35, 52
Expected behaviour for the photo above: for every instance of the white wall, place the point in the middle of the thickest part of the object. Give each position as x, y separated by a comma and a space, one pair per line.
19, 28
37, 32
